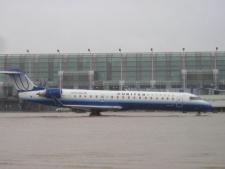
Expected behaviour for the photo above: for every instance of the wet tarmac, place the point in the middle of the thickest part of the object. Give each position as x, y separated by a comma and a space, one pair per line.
113, 141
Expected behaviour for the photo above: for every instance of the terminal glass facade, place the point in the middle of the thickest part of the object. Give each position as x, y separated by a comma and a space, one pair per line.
171, 71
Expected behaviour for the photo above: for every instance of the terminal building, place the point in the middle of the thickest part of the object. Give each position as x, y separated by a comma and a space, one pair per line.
201, 73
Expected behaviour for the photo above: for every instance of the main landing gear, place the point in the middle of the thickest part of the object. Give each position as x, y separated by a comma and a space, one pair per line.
95, 113
198, 113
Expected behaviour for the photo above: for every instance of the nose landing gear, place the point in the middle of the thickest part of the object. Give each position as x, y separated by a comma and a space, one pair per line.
95, 113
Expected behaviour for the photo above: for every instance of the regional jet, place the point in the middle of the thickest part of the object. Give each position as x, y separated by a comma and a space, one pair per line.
97, 101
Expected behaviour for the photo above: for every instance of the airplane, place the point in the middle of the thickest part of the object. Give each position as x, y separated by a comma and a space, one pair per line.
97, 101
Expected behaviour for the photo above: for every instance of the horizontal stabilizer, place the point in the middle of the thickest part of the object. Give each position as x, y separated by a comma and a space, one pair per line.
9, 72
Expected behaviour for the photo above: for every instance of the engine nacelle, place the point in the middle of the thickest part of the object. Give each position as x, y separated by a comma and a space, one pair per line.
53, 93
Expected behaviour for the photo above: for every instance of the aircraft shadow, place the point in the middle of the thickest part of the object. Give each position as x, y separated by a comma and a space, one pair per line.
161, 115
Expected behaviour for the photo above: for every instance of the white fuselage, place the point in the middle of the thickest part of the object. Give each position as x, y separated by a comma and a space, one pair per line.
124, 99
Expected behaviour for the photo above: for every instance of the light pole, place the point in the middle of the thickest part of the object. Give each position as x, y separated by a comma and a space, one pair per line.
60, 70
121, 70
215, 70
29, 66
90, 72
152, 73
90, 65
184, 71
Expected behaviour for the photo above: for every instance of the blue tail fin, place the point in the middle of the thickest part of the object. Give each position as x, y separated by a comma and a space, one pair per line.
21, 81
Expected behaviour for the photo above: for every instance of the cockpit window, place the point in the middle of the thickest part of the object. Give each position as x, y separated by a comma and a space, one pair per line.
195, 98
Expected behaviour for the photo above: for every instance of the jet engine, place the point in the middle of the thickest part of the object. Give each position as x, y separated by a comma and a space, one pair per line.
51, 93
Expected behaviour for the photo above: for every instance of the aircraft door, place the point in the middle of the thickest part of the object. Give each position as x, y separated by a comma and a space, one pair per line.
179, 103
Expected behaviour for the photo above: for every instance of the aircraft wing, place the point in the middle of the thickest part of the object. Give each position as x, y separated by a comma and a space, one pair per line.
91, 107
10, 72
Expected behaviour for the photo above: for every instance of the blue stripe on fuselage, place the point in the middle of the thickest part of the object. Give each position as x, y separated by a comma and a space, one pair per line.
129, 105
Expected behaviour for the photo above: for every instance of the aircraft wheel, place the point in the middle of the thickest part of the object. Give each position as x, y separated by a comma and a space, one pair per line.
95, 113
198, 113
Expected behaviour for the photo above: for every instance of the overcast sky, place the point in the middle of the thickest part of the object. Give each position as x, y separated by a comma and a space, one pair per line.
42, 26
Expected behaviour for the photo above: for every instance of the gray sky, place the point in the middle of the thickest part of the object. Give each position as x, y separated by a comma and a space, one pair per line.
106, 25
